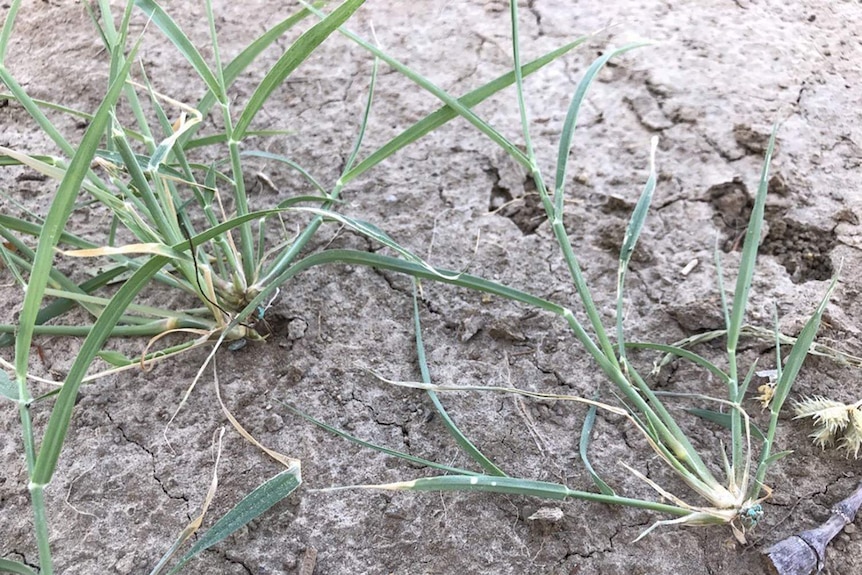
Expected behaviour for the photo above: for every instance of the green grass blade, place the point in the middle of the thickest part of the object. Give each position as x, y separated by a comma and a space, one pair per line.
178, 38
422, 272
371, 231
788, 375
740, 300
363, 125
799, 350
221, 137
9, 566
677, 441
6, 161
154, 209
61, 208
454, 431
680, 352
749, 250
33, 109
242, 61
443, 114
778, 362
6, 33
288, 162
747, 381
572, 118
527, 487
722, 293
776, 456
290, 60
137, 136
584, 445
8, 389
250, 508
519, 81
61, 415
439, 93
630, 240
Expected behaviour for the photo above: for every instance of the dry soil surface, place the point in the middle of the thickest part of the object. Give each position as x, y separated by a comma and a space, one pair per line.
719, 75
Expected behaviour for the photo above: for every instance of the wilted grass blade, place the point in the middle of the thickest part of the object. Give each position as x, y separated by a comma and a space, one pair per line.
374, 446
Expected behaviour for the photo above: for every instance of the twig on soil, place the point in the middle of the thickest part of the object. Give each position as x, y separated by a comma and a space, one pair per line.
805, 553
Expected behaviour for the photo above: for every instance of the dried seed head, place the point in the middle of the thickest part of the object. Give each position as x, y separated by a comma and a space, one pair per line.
852, 440
832, 415
809, 406
822, 436
766, 392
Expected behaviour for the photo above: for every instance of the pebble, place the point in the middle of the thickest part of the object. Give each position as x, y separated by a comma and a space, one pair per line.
273, 423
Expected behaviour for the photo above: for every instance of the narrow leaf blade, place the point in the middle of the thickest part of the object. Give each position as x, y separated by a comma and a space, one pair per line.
722, 419
252, 506
749, 250
179, 39
290, 60
584, 445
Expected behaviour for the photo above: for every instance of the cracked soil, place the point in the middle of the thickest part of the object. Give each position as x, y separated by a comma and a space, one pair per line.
720, 73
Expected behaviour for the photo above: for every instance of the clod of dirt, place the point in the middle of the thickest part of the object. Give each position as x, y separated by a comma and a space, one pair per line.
732, 204
751, 140
803, 250
611, 239
697, 315
846, 215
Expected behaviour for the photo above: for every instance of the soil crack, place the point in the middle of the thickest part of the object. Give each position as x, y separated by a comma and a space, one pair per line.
152, 460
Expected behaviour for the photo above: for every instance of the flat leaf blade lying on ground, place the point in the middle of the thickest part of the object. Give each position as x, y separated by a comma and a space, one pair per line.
9, 566
252, 506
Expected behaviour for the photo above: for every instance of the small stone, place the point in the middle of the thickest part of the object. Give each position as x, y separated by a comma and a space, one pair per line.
126, 564
273, 423
850, 529
296, 328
